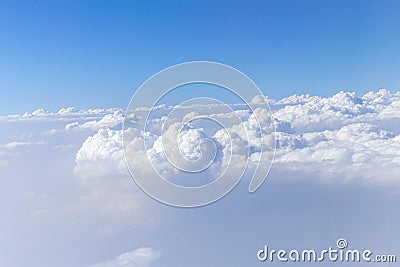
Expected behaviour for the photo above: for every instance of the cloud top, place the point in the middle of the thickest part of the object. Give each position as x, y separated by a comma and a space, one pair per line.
357, 137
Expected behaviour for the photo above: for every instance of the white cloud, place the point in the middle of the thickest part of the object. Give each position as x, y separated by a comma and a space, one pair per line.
108, 190
103, 148
141, 257
20, 146
108, 121
13, 145
64, 114
346, 134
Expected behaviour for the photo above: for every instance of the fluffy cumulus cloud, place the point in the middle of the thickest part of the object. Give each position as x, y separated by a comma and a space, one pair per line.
103, 148
107, 188
141, 257
356, 137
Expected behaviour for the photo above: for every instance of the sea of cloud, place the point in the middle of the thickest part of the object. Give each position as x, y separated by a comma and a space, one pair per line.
69, 166
357, 137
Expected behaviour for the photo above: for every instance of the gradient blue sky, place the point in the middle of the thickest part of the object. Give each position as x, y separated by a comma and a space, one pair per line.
86, 54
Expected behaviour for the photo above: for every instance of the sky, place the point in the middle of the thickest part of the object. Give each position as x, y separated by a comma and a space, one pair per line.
68, 70
92, 54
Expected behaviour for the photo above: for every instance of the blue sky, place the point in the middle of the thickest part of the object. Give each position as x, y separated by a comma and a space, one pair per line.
66, 196
86, 54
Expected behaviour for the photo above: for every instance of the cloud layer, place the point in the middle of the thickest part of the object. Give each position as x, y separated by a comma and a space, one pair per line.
342, 138
65, 174
356, 137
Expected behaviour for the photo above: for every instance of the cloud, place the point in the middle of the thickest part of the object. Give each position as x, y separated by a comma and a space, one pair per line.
107, 189
101, 154
356, 137
16, 144
17, 147
314, 113
70, 114
108, 121
141, 257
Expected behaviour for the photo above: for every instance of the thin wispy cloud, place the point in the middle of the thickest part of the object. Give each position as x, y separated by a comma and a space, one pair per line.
141, 257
